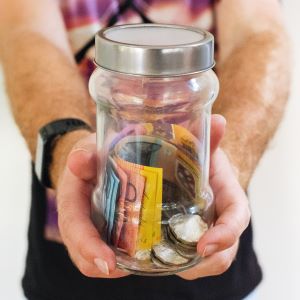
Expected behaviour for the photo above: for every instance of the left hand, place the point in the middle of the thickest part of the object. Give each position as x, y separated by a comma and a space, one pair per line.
219, 245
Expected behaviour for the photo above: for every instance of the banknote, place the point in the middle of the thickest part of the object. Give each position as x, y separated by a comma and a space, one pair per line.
102, 204
185, 158
146, 217
133, 202
128, 130
180, 167
172, 133
120, 205
188, 177
143, 151
114, 196
148, 151
178, 135
106, 196
139, 149
186, 142
111, 193
150, 220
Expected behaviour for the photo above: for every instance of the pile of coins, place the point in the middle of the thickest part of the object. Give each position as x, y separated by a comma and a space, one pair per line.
180, 243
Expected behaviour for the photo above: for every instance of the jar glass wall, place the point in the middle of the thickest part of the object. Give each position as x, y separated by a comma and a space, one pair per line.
153, 147
152, 202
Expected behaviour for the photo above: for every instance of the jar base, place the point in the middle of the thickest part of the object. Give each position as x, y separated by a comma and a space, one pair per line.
149, 268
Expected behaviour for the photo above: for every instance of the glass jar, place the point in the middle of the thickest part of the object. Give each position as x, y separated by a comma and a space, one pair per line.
154, 89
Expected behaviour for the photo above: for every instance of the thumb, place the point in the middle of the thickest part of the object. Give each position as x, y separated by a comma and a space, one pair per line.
82, 160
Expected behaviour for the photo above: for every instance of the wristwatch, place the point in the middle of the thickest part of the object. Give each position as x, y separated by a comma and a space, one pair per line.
47, 137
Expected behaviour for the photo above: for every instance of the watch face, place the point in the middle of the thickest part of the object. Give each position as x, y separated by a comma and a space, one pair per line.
39, 157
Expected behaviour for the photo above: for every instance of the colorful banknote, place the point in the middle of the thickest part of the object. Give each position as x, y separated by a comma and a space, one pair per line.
150, 221
111, 191
133, 202
120, 204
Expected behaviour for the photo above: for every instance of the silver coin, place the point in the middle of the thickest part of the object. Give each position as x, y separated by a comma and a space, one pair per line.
187, 228
177, 243
167, 255
158, 263
187, 253
143, 254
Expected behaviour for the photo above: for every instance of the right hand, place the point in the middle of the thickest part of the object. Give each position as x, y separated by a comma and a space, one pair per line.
88, 252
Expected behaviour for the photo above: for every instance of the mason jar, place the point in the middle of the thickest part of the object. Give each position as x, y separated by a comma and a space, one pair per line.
154, 88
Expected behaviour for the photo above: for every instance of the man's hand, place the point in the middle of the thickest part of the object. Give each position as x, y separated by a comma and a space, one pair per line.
95, 259
218, 246
86, 249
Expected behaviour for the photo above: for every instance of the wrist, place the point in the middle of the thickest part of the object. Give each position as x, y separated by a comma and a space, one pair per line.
60, 152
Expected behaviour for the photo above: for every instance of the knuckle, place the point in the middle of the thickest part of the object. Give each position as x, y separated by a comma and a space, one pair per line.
229, 233
232, 236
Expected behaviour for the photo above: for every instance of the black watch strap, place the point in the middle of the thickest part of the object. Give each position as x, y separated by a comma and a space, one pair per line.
47, 137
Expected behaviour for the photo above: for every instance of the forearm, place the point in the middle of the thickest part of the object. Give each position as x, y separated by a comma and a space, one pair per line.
42, 81
254, 81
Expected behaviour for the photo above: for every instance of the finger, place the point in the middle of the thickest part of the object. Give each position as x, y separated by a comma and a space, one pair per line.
77, 230
213, 265
218, 124
92, 270
232, 209
82, 160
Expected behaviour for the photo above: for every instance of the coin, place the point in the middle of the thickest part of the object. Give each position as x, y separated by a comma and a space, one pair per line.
178, 244
187, 228
143, 254
158, 263
187, 253
167, 255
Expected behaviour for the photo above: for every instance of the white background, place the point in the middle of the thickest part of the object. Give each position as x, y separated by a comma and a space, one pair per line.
274, 193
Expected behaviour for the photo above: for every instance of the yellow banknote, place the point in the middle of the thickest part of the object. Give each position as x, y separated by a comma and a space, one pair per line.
150, 225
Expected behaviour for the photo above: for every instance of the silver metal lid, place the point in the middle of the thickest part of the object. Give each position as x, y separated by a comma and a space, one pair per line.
154, 49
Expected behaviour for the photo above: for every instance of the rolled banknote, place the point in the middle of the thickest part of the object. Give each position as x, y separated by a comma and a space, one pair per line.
111, 190
120, 205
149, 221
133, 202
179, 166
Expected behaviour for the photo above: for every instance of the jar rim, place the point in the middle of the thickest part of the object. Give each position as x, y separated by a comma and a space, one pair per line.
160, 76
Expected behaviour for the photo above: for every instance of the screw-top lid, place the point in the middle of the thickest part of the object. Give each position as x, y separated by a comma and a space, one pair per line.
154, 49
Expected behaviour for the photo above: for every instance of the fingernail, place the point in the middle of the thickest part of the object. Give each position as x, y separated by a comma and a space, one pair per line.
209, 250
102, 265
78, 150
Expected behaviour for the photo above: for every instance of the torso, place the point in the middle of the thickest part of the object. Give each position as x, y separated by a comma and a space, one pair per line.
49, 272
